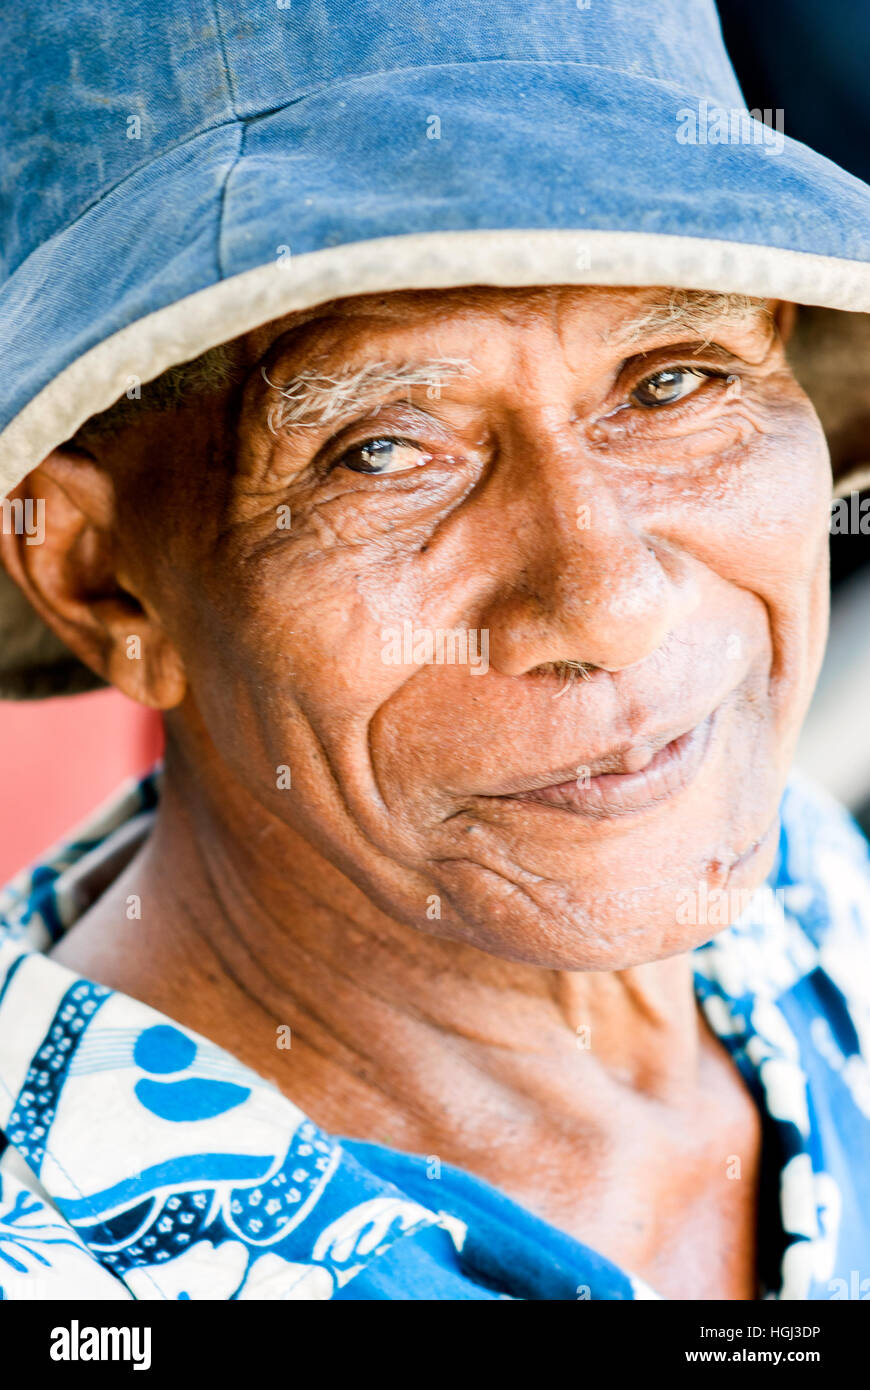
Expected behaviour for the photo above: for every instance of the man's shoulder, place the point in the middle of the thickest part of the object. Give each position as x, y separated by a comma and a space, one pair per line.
809, 920
41, 1256
822, 872
822, 883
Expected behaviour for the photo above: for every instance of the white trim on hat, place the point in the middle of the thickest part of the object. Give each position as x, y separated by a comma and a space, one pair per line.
434, 260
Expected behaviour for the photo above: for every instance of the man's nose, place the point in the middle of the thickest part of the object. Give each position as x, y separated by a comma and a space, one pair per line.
587, 582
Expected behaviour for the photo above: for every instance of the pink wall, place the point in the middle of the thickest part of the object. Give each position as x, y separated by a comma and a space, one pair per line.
59, 759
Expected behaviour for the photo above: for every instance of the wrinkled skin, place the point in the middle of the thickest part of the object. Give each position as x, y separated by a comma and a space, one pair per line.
695, 584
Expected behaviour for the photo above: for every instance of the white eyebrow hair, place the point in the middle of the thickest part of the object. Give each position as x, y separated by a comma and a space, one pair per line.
312, 399
698, 313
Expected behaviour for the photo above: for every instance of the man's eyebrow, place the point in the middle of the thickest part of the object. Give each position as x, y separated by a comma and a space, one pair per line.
695, 314
312, 399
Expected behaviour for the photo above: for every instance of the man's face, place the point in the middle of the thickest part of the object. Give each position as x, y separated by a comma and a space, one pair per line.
582, 480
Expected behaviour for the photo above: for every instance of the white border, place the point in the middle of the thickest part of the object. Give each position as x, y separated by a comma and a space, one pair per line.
434, 260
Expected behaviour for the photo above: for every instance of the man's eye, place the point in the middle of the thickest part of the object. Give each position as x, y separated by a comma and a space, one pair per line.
668, 386
385, 455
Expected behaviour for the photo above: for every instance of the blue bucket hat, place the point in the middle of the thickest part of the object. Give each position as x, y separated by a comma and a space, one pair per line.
175, 175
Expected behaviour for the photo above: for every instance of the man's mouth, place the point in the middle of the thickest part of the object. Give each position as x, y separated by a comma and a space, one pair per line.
628, 779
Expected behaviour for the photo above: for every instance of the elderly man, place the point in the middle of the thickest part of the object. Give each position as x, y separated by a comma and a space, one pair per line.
482, 585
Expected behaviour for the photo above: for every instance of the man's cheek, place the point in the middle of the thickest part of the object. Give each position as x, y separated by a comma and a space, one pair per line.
761, 521
341, 635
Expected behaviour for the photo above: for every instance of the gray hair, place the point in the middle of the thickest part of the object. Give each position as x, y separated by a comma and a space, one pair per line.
698, 313
312, 399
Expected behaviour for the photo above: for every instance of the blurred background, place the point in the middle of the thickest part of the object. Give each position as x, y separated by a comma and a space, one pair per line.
61, 758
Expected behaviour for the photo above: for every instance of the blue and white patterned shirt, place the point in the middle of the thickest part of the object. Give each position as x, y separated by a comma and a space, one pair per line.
140, 1161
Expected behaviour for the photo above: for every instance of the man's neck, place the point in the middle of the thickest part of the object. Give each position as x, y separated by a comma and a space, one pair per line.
393, 1034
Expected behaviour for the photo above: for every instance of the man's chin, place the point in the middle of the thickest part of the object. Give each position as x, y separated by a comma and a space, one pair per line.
632, 920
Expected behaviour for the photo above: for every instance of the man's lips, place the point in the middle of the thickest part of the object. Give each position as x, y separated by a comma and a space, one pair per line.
627, 779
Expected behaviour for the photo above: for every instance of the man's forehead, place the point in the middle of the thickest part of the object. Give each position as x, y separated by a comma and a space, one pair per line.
620, 314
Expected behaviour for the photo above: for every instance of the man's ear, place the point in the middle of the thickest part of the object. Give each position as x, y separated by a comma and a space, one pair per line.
785, 317
65, 557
